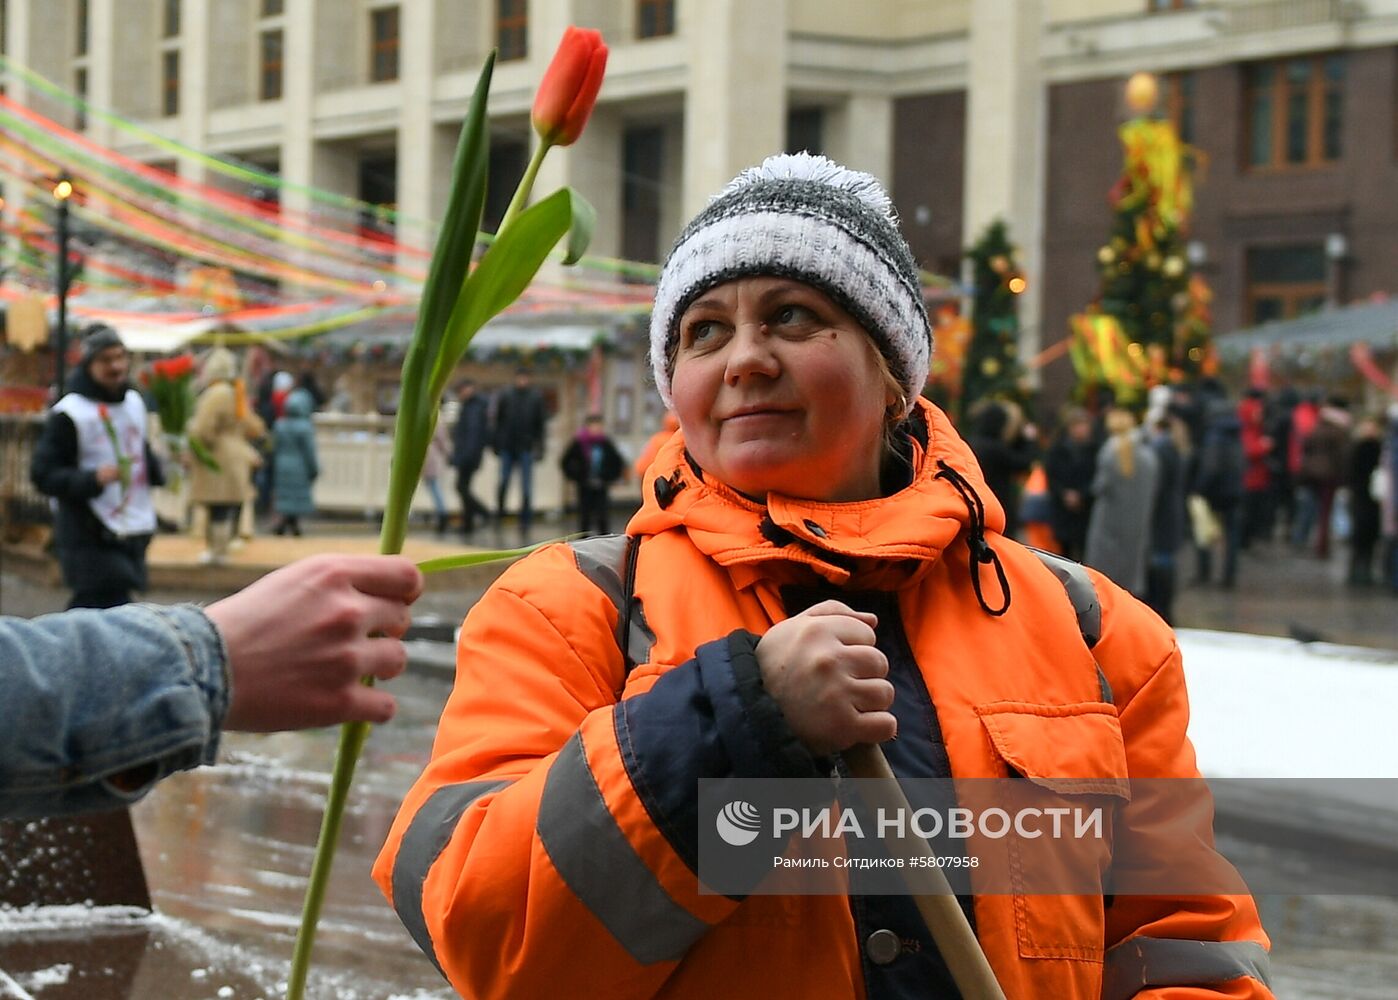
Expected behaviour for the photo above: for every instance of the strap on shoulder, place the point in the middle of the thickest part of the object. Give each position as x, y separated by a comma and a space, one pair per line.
609, 561
1083, 595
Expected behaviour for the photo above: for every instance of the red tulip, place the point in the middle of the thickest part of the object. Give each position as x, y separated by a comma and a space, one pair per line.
569, 88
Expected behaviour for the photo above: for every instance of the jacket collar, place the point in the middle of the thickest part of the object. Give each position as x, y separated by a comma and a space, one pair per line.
877, 543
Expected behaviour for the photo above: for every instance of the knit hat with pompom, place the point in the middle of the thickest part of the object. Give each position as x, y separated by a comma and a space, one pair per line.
808, 218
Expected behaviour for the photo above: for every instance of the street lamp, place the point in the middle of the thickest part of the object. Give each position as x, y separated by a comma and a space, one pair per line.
62, 191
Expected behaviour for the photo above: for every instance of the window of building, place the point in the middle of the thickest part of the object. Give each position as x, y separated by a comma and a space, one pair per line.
1295, 111
512, 28
80, 88
378, 185
170, 82
1285, 281
271, 8
170, 26
270, 65
642, 159
1179, 104
383, 44
804, 130
80, 38
508, 158
655, 18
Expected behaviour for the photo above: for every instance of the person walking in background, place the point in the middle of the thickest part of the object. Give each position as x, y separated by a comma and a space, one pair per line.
1071, 466
1388, 503
1004, 446
519, 441
1364, 456
1168, 438
468, 440
295, 463
1123, 497
1324, 459
94, 459
434, 463
225, 429
1303, 420
592, 462
1218, 479
1257, 474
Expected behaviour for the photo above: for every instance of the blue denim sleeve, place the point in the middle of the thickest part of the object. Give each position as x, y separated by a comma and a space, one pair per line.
97, 706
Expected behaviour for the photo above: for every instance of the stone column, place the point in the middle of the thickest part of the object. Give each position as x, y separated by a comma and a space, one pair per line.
735, 104
298, 101
1006, 146
859, 134
421, 169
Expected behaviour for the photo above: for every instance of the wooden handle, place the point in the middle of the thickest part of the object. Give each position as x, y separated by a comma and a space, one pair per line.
932, 893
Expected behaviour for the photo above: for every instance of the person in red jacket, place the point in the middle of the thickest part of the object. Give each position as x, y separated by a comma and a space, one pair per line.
1257, 476
817, 564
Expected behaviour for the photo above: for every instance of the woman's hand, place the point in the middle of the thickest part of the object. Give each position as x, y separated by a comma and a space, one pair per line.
828, 678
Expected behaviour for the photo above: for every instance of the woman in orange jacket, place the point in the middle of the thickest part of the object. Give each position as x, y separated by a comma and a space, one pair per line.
817, 564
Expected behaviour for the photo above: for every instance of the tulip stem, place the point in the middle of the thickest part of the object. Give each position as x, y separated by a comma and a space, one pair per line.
526, 184
352, 737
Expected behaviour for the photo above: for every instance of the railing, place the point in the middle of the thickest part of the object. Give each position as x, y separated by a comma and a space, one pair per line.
1279, 15
354, 454
20, 502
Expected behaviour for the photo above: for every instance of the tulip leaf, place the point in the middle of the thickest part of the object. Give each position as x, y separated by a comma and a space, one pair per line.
451, 263
580, 231
506, 270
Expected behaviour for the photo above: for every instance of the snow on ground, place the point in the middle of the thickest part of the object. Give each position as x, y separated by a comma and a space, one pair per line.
1267, 707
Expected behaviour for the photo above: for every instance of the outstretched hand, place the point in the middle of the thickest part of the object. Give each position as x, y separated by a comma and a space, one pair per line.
300, 639
829, 679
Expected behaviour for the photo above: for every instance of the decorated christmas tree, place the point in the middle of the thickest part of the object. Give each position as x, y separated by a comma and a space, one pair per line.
1150, 322
992, 369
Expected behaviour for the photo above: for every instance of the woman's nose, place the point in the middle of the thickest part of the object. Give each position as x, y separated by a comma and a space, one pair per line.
750, 353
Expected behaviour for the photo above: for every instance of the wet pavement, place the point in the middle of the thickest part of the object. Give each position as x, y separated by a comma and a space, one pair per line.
226, 849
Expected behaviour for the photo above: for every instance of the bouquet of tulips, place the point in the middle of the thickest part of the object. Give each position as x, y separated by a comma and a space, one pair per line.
171, 385
457, 301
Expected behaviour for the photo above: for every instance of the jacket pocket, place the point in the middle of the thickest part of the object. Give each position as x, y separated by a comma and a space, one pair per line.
1071, 764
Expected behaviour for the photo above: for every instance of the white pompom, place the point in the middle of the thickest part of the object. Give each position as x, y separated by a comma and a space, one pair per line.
808, 167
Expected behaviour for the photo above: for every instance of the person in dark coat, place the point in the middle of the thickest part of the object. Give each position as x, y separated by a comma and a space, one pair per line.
1004, 446
1070, 466
593, 463
295, 461
1364, 456
94, 459
1218, 478
469, 436
1168, 438
519, 441
1324, 458
1257, 474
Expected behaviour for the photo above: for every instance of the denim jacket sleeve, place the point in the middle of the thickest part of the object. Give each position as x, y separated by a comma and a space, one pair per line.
97, 706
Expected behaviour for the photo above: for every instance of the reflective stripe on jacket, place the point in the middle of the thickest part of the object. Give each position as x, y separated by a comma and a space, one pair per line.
550, 846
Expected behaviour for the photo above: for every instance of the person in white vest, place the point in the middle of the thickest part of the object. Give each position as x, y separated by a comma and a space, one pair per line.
94, 460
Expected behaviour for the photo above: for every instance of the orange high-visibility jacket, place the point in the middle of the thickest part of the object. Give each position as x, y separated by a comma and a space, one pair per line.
548, 849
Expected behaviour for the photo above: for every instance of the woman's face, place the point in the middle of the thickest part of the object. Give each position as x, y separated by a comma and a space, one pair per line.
778, 389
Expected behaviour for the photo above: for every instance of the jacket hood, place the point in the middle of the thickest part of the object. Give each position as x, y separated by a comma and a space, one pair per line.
874, 543
82, 383
298, 404
219, 366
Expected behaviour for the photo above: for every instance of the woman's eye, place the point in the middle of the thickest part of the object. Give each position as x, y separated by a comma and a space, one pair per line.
702, 331
790, 315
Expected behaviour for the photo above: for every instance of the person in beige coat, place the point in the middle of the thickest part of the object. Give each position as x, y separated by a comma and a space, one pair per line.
225, 428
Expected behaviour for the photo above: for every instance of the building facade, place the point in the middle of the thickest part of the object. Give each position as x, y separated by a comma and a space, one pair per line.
967, 110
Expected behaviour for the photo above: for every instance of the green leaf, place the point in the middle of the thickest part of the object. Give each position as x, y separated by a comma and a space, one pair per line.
461, 560
506, 269
580, 232
446, 277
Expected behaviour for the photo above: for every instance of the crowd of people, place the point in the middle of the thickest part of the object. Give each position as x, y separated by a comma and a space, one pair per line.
1198, 479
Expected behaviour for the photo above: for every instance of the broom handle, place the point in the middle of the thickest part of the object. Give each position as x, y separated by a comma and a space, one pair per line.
934, 898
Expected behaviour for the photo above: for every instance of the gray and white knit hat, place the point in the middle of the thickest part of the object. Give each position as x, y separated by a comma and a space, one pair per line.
803, 217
